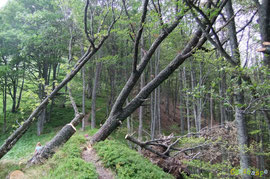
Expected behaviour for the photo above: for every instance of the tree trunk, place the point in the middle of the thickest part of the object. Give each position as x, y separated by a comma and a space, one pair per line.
181, 101
119, 114
94, 94
43, 115
141, 107
83, 92
53, 87
184, 78
193, 83
62, 137
264, 23
211, 110
152, 105
5, 104
83, 98
14, 97
13, 138
239, 95
20, 94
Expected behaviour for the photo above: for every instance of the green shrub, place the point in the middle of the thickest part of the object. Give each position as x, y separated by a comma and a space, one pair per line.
127, 163
67, 162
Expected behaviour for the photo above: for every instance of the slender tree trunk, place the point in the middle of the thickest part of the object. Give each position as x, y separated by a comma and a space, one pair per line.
211, 110
239, 94
20, 94
5, 105
53, 87
222, 89
152, 105
94, 94
43, 95
181, 102
141, 107
14, 98
187, 98
195, 110
5, 98
157, 96
83, 92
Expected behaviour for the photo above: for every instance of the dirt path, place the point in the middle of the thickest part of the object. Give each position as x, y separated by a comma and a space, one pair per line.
89, 155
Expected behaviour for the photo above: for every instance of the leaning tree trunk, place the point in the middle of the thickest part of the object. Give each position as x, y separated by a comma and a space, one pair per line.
62, 137
13, 138
119, 114
92, 49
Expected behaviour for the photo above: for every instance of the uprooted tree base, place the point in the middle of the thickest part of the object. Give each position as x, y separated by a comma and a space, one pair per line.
167, 153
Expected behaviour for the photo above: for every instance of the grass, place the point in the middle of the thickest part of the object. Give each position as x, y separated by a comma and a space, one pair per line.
127, 163
67, 162
7, 166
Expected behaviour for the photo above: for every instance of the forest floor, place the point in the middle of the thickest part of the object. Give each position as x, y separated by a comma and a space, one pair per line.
89, 155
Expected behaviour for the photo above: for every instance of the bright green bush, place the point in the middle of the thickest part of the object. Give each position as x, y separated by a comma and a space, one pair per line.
127, 163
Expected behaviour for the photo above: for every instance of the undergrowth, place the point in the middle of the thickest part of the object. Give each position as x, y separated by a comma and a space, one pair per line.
127, 163
67, 162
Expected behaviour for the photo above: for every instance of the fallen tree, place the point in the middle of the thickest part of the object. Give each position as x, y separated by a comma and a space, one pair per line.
176, 153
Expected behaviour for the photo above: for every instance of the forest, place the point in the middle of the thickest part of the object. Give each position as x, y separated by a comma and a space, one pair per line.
134, 89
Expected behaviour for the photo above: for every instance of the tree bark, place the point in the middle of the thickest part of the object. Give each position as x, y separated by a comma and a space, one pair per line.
184, 78
119, 114
239, 94
94, 94
5, 104
141, 107
15, 136
43, 94
62, 137
264, 23
181, 102
21, 90
83, 92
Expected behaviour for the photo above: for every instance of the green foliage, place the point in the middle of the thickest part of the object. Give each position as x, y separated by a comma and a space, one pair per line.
25, 147
68, 163
126, 162
220, 170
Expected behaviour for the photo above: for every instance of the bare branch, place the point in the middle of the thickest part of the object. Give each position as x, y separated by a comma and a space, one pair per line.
128, 137
217, 44
73, 101
130, 24
138, 36
158, 11
85, 25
